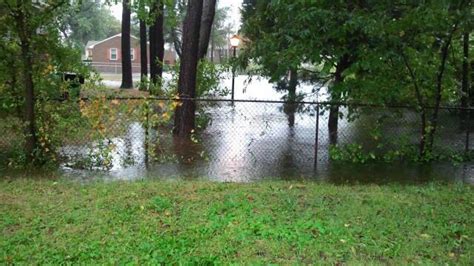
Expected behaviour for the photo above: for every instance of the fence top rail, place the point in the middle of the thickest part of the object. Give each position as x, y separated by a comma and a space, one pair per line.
323, 103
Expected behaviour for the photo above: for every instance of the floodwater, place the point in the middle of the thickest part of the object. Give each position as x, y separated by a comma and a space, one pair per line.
248, 142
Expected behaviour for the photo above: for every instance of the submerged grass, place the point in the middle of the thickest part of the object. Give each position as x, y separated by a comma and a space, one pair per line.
49, 222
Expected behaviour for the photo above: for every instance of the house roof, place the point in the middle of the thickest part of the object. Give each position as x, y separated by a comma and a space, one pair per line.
91, 44
94, 43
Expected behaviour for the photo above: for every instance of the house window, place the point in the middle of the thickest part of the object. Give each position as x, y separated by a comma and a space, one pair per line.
113, 53
132, 54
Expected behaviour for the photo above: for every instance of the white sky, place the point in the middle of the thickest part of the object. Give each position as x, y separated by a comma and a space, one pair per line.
234, 13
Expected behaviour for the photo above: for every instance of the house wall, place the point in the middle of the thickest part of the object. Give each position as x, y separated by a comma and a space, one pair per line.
101, 56
101, 51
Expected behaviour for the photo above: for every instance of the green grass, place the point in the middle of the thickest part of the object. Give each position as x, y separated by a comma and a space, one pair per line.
48, 222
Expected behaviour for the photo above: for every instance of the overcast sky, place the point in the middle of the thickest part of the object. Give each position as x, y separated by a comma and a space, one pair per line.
234, 13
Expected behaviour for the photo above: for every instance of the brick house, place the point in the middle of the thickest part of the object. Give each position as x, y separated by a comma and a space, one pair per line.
105, 55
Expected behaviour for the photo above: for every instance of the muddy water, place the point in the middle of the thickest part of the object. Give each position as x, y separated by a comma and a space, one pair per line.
248, 142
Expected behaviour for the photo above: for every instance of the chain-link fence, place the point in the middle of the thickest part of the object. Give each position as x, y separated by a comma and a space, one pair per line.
248, 137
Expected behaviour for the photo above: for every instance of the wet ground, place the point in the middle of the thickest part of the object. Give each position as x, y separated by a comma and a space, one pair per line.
247, 142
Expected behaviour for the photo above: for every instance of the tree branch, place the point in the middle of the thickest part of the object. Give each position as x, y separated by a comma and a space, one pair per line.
411, 72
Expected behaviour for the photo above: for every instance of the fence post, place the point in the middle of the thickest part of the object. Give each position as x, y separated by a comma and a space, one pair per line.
147, 126
316, 140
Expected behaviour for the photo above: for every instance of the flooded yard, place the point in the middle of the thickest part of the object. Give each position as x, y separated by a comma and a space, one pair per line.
249, 141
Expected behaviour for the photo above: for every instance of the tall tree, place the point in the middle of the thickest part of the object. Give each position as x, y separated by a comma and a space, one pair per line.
281, 41
257, 18
428, 72
466, 95
143, 42
465, 77
213, 28
88, 21
380, 51
176, 11
207, 21
22, 17
221, 30
29, 31
407, 60
290, 84
185, 114
127, 78
157, 42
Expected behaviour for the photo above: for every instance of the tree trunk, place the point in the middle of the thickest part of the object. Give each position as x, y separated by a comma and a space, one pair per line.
333, 121
342, 65
208, 13
157, 44
184, 122
27, 65
127, 80
291, 107
433, 124
176, 42
471, 90
212, 50
423, 133
421, 103
29, 97
143, 50
465, 80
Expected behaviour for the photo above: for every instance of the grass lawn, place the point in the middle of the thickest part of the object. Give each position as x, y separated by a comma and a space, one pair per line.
49, 222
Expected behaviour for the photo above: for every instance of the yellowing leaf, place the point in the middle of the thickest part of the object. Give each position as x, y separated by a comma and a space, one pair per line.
353, 250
